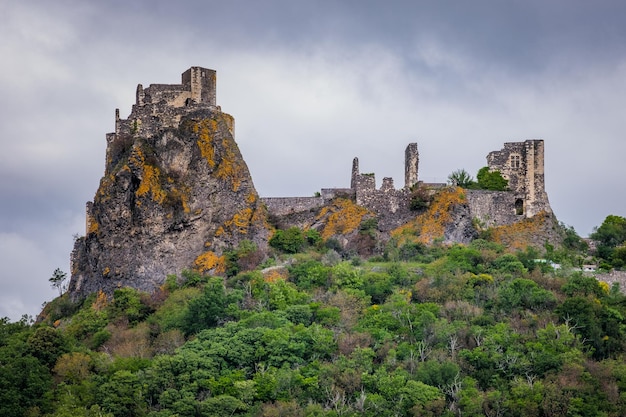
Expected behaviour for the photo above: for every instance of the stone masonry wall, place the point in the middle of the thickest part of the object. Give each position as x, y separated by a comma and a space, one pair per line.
282, 206
492, 208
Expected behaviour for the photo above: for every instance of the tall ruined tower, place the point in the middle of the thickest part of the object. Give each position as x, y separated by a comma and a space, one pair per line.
355, 173
411, 162
201, 83
521, 163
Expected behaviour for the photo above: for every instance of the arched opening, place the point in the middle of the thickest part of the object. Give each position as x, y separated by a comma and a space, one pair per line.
519, 206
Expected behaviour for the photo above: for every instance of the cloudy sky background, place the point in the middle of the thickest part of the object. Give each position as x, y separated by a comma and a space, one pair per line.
311, 84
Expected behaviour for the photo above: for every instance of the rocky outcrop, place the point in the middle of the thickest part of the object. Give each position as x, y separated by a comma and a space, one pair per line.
175, 195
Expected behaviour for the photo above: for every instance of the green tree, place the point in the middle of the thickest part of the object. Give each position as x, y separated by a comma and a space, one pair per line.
291, 240
461, 178
121, 395
610, 234
209, 309
491, 180
57, 280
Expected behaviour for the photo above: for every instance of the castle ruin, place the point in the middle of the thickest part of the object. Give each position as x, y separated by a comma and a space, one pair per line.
162, 106
390, 205
176, 194
521, 163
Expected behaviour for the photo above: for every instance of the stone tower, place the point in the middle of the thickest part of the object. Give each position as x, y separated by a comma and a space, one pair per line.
521, 163
411, 162
355, 173
201, 82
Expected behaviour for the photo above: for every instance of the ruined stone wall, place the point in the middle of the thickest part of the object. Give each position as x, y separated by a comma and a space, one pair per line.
282, 206
330, 193
522, 164
411, 165
492, 208
162, 106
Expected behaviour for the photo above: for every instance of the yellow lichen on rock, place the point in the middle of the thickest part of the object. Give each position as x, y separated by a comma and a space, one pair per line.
209, 261
240, 222
431, 225
519, 235
341, 217
93, 225
205, 129
150, 178
231, 166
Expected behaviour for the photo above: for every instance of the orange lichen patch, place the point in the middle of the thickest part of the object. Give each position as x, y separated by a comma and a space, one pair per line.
150, 183
431, 225
243, 220
106, 271
523, 233
240, 222
343, 216
225, 158
93, 225
231, 166
209, 261
151, 178
100, 302
103, 190
251, 198
205, 129
278, 273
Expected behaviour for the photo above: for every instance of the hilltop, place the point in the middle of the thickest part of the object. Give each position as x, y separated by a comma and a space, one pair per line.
177, 195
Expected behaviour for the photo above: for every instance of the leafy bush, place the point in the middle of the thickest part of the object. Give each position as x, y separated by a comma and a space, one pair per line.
461, 178
290, 241
491, 180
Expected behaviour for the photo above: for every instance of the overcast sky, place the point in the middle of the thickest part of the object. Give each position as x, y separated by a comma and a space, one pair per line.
311, 85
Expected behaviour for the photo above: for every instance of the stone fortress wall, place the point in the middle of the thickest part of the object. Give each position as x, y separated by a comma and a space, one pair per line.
521, 163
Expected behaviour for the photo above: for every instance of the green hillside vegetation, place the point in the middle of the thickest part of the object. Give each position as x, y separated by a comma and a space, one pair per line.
420, 331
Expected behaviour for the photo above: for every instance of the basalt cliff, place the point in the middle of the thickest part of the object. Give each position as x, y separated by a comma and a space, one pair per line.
177, 194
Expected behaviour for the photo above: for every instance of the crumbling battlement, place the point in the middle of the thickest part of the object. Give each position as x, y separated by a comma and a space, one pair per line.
160, 107
163, 105
391, 206
521, 163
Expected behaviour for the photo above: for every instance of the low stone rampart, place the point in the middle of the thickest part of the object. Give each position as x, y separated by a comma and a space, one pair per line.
282, 206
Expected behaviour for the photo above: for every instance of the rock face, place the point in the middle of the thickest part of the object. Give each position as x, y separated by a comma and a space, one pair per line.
176, 192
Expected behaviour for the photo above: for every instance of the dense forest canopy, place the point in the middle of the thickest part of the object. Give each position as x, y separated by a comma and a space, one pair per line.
461, 330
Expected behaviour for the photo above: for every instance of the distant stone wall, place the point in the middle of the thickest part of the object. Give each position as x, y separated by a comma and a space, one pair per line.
282, 206
493, 208
519, 162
